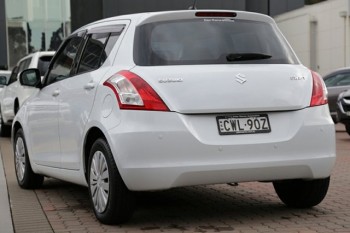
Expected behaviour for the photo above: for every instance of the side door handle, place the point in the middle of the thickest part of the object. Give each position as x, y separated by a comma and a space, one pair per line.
89, 86
56, 93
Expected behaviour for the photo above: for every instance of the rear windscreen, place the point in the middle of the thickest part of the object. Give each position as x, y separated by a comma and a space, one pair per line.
210, 41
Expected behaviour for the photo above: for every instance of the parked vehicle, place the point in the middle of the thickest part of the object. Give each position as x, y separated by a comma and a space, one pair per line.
4, 78
336, 82
14, 94
344, 109
159, 100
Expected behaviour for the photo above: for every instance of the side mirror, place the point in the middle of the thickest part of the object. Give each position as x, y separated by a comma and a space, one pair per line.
30, 77
3, 81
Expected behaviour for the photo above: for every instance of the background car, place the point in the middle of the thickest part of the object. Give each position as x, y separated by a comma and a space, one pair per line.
336, 82
4, 78
160, 100
14, 94
344, 109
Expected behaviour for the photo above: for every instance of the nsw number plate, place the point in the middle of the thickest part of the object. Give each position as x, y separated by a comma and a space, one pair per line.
243, 124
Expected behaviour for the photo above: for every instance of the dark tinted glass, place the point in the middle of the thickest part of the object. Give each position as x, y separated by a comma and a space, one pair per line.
338, 80
14, 74
93, 55
210, 41
43, 64
64, 61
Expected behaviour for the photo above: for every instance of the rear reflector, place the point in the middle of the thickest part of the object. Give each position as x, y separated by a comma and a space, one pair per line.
134, 93
319, 91
216, 14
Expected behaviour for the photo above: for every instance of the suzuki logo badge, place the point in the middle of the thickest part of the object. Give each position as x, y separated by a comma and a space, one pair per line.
241, 78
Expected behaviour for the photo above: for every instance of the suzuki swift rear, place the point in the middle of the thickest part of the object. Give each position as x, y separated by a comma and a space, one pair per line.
183, 98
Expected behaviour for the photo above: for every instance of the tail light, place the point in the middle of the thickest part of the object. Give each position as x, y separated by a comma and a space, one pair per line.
319, 91
134, 93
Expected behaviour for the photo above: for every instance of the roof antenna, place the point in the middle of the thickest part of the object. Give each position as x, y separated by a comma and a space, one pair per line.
193, 7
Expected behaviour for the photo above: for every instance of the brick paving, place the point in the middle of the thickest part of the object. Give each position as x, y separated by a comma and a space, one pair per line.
250, 207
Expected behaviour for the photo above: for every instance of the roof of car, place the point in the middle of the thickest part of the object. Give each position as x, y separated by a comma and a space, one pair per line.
40, 54
148, 17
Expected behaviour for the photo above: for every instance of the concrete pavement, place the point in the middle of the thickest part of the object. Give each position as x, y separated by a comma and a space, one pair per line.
5, 213
248, 208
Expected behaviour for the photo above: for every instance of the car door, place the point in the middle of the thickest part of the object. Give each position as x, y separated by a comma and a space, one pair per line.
44, 107
77, 93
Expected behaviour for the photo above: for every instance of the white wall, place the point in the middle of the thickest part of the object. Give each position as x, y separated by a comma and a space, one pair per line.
329, 47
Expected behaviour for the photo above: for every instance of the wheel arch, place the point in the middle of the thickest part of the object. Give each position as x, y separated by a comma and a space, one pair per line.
16, 104
16, 126
92, 135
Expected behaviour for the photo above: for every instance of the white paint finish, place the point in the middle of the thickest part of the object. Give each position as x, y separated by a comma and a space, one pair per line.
159, 150
15, 91
213, 88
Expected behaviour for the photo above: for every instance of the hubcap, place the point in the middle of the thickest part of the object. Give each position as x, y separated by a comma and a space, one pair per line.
99, 181
20, 159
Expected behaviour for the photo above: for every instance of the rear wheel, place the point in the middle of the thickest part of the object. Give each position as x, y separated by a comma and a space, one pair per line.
111, 200
347, 128
5, 130
302, 193
26, 178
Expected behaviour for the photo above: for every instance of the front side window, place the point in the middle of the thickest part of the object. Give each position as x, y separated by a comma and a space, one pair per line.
210, 41
14, 73
65, 60
43, 64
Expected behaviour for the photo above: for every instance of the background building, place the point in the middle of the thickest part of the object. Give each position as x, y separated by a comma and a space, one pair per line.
31, 25
86, 11
319, 33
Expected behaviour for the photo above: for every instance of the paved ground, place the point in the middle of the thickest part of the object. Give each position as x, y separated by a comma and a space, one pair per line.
248, 208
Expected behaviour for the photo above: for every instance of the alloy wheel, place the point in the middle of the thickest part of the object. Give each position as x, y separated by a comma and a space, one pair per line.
99, 181
20, 159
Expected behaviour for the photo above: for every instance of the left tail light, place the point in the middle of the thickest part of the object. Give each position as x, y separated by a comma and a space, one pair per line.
134, 93
319, 91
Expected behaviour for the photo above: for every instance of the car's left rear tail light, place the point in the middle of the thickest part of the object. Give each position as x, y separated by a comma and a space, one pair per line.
319, 91
134, 93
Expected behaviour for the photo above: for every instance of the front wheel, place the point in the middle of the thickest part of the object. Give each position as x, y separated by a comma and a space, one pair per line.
111, 200
302, 193
26, 178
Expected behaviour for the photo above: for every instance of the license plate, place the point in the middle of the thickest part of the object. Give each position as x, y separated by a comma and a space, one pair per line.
243, 124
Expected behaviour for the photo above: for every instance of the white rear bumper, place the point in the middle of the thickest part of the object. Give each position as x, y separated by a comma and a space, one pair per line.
161, 150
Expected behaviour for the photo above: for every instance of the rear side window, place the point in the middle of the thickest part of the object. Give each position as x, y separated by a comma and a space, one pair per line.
43, 64
210, 41
96, 51
93, 55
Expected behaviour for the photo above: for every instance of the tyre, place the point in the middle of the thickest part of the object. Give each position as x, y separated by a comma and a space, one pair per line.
302, 193
347, 128
5, 130
26, 178
112, 202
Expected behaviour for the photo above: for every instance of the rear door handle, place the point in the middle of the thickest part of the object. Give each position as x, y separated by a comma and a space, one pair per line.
56, 93
89, 86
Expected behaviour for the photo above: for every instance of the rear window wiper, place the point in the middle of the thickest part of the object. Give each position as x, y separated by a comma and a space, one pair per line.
246, 56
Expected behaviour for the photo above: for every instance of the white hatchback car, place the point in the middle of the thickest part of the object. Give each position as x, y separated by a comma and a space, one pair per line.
13, 94
154, 101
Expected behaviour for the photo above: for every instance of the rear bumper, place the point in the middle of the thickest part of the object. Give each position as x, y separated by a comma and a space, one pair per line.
161, 150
